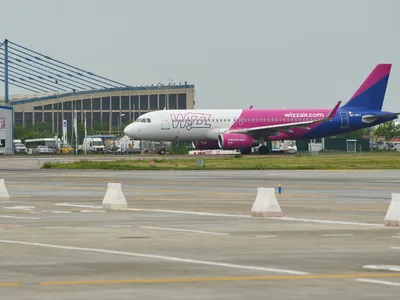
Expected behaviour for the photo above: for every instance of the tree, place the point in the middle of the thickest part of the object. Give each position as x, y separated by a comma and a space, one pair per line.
388, 130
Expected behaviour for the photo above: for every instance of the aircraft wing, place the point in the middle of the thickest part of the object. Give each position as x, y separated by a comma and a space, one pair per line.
286, 127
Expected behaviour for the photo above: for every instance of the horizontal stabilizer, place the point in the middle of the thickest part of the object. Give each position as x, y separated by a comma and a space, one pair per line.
371, 118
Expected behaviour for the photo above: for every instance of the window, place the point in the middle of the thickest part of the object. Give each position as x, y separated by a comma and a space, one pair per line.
161, 101
78, 104
144, 102
134, 102
181, 101
38, 117
115, 103
143, 120
172, 101
125, 103
116, 119
148, 120
48, 117
67, 105
38, 108
86, 104
153, 102
96, 103
105, 103
105, 117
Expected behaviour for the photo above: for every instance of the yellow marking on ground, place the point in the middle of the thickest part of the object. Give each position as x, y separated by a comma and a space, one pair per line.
232, 278
10, 284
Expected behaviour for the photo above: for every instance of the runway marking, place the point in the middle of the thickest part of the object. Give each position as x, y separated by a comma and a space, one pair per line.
10, 284
20, 207
61, 212
337, 234
395, 248
266, 236
396, 236
207, 279
117, 226
57, 227
92, 211
198, 213
184, 230
15, 217
161, 257
378, 282
392, 268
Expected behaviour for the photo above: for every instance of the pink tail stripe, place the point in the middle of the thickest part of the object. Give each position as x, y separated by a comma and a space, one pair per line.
380, 71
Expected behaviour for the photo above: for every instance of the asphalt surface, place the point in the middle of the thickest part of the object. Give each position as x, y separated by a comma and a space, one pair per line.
189, 235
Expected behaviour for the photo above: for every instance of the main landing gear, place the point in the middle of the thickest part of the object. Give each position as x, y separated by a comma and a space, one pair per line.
162, 150
263, 150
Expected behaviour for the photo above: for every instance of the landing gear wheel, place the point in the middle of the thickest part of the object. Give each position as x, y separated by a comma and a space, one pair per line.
245, 151
263, 150
161, 152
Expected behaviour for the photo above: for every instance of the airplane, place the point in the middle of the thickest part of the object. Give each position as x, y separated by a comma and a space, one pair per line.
244, 129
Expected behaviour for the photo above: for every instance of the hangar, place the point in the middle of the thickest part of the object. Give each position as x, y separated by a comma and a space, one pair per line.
56, 90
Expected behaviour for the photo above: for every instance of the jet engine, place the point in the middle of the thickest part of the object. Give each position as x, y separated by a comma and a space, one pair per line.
236, 141
205, 145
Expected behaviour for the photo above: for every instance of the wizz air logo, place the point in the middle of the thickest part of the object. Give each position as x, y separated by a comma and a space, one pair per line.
191, 120
304, 115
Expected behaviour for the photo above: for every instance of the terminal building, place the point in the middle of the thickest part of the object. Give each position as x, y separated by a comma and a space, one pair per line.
113, 107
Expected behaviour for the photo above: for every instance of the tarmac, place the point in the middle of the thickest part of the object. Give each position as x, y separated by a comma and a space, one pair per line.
189, 235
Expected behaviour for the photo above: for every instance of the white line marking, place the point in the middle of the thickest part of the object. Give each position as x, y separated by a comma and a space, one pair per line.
337, 234
198, 213
392, 268
378, 281
116, 226
20, 207
15, 217
395, 248
57, 227
169, 258
396, 236
183, 230
61, 212
77, 205
92, 211
266, 236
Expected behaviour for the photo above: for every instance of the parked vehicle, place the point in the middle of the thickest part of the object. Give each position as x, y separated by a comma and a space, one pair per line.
19, 147
43, 150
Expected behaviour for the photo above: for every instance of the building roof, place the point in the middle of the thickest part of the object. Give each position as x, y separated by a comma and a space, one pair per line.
22, 99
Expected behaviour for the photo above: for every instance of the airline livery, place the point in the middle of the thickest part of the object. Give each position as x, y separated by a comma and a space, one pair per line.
244, 129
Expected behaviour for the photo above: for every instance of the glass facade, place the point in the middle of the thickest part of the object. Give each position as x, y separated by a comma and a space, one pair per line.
102, 112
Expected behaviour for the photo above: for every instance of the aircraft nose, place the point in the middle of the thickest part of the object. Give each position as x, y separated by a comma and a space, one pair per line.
130, 130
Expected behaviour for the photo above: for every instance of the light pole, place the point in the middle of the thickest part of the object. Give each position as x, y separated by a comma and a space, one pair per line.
119, 121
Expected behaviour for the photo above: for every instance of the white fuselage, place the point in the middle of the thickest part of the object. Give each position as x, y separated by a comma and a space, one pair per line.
182, 125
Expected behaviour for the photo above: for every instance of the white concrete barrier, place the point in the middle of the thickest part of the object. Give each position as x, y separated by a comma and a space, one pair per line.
114, 197
266, 204
3, 191
392, 217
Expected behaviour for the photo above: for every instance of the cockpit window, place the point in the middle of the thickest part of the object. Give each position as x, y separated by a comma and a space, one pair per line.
148, 120
143, 120
138, 120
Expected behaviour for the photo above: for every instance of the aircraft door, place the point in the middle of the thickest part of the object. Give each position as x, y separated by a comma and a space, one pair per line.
165, 125
344, 119
240, 121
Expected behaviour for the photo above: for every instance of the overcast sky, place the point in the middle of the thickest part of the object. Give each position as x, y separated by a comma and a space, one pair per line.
267, 53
